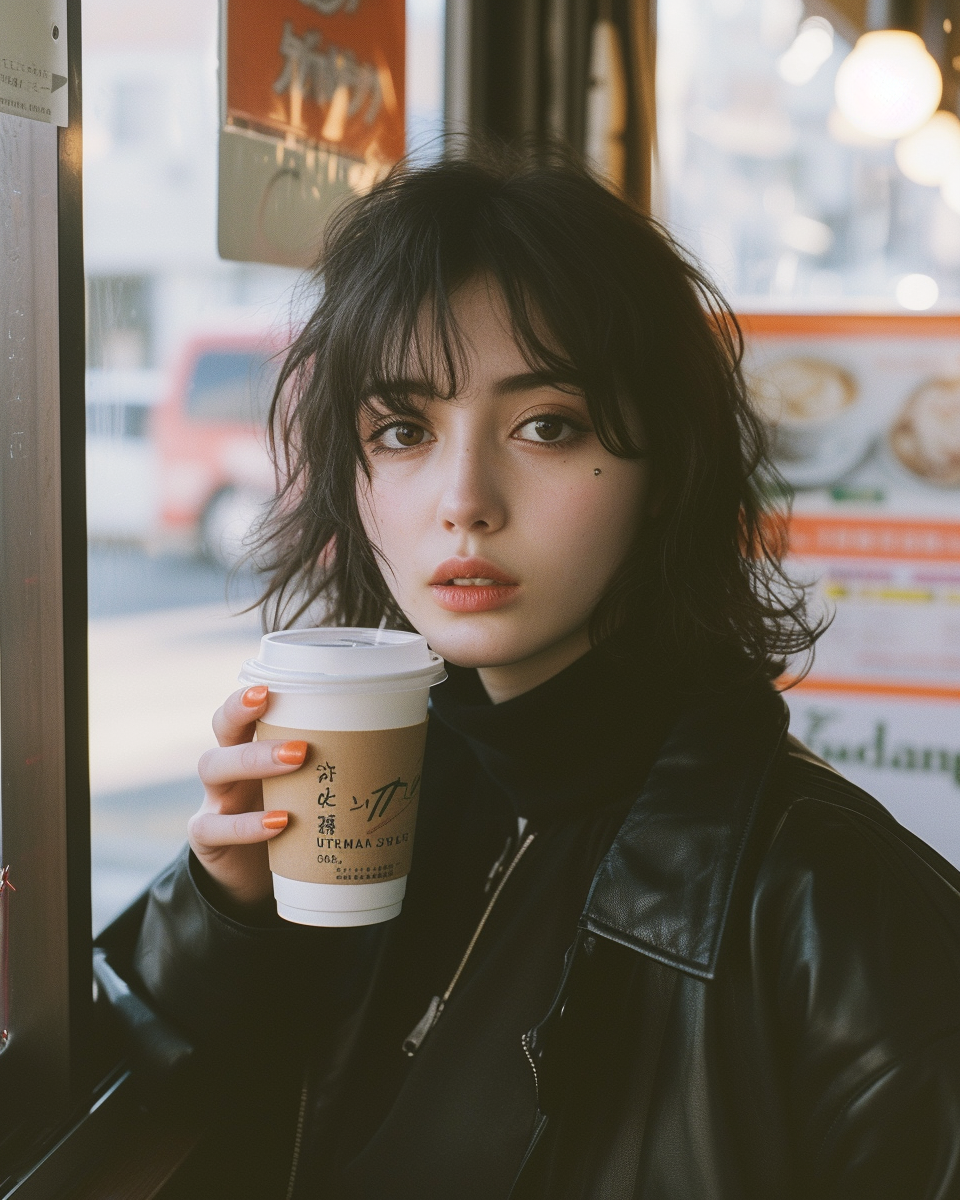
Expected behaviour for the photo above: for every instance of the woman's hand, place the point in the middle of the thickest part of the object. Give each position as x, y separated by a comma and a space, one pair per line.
229, 832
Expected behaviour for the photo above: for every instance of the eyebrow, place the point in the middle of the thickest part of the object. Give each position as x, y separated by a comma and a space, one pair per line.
529, 381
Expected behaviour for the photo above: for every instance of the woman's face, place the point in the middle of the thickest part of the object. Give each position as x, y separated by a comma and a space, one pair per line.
500, 517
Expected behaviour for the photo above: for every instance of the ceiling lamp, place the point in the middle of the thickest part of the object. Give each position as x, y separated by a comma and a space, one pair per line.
930, 153
888, 85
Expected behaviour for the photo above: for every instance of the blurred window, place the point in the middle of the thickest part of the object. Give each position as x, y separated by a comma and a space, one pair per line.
119, 321
231, 385
117, 420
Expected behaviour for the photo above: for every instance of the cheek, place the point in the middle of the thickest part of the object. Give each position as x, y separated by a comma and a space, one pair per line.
388, 512
587, 527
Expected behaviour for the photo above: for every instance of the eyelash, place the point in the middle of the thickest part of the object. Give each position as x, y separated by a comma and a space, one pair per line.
377, 446
578, 430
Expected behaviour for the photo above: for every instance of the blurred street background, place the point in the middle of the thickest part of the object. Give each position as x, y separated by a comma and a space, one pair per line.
166, 643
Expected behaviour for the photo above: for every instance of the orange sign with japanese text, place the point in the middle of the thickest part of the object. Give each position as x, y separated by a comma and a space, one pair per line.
327, 72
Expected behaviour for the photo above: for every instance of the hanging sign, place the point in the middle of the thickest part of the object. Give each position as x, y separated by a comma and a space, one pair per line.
312, 112
33, 60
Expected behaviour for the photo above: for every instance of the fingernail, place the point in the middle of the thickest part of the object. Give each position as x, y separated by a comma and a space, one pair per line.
274, 820
291, 752
253, 697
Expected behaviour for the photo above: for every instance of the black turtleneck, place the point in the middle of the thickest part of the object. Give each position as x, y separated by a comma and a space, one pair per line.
568, 758
575, 743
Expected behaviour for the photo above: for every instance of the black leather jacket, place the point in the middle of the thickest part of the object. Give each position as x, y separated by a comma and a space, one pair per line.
762, 1001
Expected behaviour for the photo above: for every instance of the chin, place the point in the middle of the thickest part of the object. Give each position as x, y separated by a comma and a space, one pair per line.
482, 643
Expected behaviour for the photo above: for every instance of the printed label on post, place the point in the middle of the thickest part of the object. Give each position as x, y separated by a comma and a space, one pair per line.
352, 805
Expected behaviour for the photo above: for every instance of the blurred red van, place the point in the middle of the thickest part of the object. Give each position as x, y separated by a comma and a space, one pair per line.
210, 434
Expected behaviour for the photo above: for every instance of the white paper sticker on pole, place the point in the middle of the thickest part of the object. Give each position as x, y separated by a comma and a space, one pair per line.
33, 60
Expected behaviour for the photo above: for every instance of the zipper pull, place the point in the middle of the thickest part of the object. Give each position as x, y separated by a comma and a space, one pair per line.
498, 866
414, 1039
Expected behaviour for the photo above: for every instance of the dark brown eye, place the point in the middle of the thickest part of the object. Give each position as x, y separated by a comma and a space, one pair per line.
405, 436
547, 429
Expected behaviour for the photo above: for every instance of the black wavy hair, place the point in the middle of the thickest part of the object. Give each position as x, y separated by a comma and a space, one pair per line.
599, 295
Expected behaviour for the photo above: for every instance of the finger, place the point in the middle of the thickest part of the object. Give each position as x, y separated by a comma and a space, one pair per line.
250, 760
210, 831
234, 720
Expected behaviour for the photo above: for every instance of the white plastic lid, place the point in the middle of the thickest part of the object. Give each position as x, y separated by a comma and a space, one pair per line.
345, 659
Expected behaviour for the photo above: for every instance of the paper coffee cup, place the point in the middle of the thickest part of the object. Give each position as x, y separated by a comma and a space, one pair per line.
358, 698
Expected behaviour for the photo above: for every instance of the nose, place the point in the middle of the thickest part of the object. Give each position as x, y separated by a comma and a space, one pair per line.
471, 496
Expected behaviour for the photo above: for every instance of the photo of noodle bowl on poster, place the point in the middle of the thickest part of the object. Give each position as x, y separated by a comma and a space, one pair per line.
863, 420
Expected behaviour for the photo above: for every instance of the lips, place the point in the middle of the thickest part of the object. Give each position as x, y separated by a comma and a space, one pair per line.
472, 585
467, 571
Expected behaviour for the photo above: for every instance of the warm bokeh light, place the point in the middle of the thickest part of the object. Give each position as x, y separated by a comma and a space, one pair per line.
888, 85
846, 134
930, 153
917, 292
810, 49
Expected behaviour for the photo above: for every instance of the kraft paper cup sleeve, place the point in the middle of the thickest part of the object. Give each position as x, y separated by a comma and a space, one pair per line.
352, 805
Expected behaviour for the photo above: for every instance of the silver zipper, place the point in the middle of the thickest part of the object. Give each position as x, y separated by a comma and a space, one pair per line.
298, 1139
414, 1039
525, 1042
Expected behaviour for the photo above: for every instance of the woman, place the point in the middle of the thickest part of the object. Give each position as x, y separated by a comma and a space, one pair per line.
650, 947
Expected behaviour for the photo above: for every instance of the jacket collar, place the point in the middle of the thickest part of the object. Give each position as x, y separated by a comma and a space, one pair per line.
665, 885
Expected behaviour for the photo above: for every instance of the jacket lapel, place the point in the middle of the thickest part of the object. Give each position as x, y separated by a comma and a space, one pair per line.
665, 885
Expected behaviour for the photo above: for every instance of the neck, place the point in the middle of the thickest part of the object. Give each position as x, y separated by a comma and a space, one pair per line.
513, 679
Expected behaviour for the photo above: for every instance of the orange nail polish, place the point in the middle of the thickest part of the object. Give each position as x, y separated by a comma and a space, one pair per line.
274, 820
253, 697
291, 752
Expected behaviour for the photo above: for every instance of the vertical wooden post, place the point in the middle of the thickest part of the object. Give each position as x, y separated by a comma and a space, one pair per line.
519, 70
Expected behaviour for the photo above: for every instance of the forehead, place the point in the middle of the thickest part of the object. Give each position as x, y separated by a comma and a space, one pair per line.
490, 343
471, 341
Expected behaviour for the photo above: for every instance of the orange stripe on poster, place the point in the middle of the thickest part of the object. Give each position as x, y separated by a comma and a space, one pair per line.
850, 537
860, 687
849, 325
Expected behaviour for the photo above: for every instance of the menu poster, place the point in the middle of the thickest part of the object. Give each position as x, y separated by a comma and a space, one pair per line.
312, 112
864, 419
